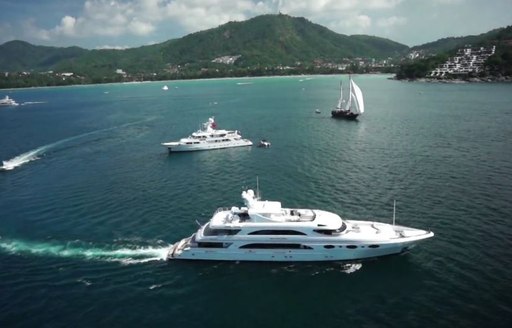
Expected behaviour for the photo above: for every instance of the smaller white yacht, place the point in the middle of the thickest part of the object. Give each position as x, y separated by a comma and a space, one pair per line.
265, 231
8, 102
208, 137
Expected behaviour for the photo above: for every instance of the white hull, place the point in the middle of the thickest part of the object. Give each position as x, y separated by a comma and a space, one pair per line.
319, 253
205, 145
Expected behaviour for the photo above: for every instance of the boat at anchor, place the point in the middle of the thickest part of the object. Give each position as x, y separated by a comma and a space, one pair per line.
352, 107
265, 231
207, 138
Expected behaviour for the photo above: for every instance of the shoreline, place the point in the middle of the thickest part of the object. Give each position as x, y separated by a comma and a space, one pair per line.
198, 79
487, 79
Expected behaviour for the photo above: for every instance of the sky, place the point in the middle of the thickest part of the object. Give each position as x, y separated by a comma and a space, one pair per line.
98, 24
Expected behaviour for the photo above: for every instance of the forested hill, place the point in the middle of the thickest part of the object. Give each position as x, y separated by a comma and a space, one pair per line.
266, 40
277, 40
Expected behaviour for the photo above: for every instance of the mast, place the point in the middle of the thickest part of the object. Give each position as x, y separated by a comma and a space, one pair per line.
349, 102
257, 188
394, 210
340, 102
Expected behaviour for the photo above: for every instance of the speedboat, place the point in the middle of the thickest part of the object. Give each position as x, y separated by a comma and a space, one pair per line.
208, 137
265, 231
8, 102
264, 143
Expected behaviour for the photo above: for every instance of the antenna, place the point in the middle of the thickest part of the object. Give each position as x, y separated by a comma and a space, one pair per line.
394, 210
257, 188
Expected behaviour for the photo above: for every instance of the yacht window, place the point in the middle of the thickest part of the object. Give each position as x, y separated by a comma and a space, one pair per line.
331, 231
325, 232
276, 232
374, 246
328, 246
352, 246
210, 245
275, 246
243, 216
207, 231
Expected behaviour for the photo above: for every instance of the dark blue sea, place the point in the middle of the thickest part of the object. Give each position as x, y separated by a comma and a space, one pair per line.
93, 202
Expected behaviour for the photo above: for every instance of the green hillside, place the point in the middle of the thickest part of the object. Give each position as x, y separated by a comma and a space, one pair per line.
497, 65
18, 56
447, 45
267, 40
276, 40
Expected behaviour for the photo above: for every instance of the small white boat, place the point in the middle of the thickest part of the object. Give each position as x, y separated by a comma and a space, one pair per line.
207, 138
265, 231
8, 102
264, 143
317, 111
165, 87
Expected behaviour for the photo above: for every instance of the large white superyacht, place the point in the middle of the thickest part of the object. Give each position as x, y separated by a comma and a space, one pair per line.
208, 137
264, 231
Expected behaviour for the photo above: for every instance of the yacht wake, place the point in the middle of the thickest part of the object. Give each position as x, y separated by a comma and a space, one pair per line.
351, 267
32, 103
35, 154
19, 160
126, 254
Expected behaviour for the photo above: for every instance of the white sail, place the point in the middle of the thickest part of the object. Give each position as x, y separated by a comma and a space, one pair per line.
358, 96
349, 101
355, 106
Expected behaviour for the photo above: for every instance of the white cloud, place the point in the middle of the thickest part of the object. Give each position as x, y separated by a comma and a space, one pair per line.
6, 33
31, 29
67, 26
138, 27
391, 21
106, 46
118, 18
448, 2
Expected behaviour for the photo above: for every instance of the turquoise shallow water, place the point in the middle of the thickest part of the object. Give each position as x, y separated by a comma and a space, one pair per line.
85, 224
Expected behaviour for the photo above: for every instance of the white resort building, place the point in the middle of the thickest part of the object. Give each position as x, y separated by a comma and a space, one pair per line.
468, 60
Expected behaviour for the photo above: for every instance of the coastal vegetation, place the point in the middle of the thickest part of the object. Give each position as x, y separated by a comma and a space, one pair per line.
431, 55
262, 46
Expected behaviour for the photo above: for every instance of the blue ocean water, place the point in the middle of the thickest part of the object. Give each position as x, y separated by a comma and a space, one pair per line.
93, 201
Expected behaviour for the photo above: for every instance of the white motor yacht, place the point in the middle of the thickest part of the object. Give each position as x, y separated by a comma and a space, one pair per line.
208, 137
6, 101
265, 231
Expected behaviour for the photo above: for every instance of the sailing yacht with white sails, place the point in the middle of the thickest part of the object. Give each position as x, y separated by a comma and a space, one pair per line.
352, 107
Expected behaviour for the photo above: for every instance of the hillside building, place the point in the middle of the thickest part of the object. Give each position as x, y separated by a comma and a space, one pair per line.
468, 60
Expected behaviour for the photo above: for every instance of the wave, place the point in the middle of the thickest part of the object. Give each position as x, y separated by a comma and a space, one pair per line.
32, 102
19, 160
36, 153
126, 254
351, 267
